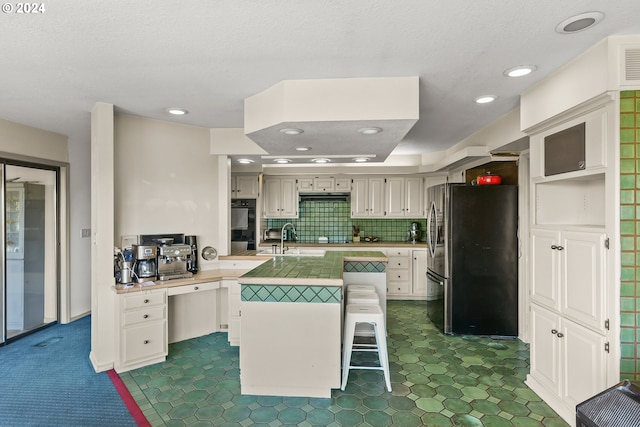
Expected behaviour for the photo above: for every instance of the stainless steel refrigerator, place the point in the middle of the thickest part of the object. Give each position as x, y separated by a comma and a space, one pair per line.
472, 236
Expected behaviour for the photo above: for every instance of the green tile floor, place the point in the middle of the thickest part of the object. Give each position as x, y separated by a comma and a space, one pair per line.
437, 381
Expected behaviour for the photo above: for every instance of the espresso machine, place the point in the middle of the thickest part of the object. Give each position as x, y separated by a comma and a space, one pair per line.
144, 262
172, 261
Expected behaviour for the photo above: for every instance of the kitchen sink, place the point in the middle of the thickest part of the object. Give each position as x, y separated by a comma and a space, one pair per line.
293, 252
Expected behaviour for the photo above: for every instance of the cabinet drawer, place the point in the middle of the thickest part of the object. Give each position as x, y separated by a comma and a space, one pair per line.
397, 252
144, 299
398, 262
397, 287
143, 342
397, 275
198, 287
148, 314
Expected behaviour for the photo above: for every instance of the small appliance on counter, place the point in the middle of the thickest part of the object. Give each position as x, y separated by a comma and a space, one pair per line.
414, 233
192, 262
173, 255
172, 261
144, 264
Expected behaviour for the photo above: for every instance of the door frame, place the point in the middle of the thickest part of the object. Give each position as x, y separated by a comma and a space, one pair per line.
62, 226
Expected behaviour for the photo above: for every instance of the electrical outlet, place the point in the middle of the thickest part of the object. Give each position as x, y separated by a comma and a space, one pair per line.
86, 232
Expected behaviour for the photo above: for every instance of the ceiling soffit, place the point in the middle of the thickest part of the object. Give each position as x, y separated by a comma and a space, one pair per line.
329, 112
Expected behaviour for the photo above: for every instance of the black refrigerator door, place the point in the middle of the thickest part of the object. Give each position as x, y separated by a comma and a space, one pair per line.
483, 260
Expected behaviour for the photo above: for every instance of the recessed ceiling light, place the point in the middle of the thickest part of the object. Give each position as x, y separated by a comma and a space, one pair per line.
361, 159
320, 160
291, 131
579, 23
177, 111
369, 131
485, 99
245, 161
282, 161
303, 148
519, 71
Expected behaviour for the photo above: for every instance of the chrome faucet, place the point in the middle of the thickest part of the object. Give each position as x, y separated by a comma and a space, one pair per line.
282, 249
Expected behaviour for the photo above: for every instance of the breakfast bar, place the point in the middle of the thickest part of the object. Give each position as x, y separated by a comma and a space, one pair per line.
291, 308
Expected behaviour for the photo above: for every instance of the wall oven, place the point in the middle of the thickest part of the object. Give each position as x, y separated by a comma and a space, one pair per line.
243, 225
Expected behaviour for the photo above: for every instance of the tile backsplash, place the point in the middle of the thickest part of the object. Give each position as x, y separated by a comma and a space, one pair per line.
333, 220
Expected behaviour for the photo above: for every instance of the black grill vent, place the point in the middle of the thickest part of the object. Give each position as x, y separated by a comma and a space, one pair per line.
618, 406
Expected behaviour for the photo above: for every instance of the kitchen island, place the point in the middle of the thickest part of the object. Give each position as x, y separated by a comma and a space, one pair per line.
291, 320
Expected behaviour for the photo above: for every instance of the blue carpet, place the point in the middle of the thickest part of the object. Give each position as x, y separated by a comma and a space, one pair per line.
46, 379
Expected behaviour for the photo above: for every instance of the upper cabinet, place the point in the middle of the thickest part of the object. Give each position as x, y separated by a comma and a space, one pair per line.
403, 197
324, 184
367, 197
280, 198
245, 186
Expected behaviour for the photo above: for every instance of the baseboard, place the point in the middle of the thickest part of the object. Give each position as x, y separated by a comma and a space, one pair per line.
98, 367
550, 398
79, 316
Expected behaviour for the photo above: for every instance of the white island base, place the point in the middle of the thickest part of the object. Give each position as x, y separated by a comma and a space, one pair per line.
290, 348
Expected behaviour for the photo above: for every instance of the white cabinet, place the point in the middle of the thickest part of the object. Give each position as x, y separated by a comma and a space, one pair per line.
245, 186
141, 329
568, 274
343, 184
567, 360
367, 197
419, 273
280, 198
406, 273
403, 197
322, 184
574, 331
234, 311
398, 272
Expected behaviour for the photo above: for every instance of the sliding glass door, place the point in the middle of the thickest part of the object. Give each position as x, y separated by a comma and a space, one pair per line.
30, 255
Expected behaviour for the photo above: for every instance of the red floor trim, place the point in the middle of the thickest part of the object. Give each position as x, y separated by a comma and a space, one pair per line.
128, 400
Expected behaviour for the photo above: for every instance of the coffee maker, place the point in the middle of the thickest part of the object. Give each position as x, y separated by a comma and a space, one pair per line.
192, 260
144, 266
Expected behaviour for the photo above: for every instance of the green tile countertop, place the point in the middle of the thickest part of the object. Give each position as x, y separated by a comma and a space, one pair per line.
307, 270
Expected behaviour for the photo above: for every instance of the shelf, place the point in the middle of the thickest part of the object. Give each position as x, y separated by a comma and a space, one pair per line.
579, 201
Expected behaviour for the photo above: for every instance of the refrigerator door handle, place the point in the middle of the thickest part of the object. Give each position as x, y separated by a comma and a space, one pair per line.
435, 278
432, 229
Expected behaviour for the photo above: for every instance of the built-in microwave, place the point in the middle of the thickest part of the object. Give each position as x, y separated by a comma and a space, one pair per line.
564, 151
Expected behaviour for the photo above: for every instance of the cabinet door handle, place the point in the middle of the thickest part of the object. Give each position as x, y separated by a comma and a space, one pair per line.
146, 341
146, 316
196, 288
146, 301
554, 247
560, 248
559, 334
554, 331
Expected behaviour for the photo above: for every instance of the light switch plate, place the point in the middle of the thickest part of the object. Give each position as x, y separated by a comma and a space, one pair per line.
85, 232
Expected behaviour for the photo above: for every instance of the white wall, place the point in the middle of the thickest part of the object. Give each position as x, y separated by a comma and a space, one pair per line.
79, 218
166, 180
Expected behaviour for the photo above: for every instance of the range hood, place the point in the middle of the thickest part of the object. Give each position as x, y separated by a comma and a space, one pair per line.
325, 197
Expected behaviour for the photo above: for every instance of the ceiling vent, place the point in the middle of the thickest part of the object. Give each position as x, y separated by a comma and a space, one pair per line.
631, 66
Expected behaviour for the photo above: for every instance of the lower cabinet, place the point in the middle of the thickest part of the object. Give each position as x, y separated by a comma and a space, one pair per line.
568, 361
142, 331
406, 273
398, 273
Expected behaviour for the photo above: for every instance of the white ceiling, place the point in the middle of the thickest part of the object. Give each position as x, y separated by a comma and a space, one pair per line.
208, 56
